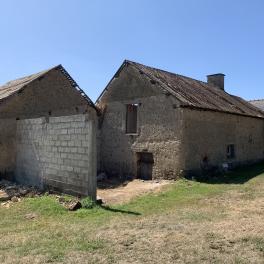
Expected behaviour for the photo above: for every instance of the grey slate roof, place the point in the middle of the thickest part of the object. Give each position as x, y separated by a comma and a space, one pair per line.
258, 103
195, 94
12, 87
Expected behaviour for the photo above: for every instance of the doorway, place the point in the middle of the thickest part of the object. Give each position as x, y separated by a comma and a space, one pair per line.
145, 163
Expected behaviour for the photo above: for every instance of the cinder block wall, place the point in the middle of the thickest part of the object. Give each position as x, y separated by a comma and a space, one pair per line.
58, 152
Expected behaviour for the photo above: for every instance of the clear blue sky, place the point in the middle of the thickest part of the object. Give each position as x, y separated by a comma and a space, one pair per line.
92, 38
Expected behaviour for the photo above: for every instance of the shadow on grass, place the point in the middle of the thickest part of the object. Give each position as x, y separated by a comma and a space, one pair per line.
237, 176
115, 210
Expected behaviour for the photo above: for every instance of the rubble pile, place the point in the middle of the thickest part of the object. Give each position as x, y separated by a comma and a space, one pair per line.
11, 192
69, 204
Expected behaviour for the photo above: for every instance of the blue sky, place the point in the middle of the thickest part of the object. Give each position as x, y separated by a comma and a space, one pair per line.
92, 38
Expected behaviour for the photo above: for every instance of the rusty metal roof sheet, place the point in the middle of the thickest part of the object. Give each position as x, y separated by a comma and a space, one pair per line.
197, 94
12, 87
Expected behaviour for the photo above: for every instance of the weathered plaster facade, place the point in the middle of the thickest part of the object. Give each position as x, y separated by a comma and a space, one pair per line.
181, 126
207, 134
7, 147
158, 133
51, 94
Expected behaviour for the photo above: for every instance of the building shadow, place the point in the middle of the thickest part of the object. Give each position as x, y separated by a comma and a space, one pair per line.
112, 183
115, 210
239, 175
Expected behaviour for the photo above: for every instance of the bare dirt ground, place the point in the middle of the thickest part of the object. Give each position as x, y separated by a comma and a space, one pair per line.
125, 192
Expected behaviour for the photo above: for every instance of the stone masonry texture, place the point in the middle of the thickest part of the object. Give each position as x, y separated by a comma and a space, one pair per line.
7, 148
159, 128
180, 139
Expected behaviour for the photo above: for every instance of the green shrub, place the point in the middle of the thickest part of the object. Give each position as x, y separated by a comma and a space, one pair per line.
88, 203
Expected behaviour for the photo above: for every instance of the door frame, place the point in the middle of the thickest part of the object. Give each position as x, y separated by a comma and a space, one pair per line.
139, 161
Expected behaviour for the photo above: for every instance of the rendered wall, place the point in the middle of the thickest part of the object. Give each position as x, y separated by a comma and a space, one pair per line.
59, 152
179, 138
159, 128
208, 133
7, 148
52, 95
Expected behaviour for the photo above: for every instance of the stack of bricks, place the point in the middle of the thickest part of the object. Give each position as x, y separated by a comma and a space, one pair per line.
59, 152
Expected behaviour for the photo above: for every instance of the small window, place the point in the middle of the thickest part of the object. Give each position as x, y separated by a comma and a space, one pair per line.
131, 118
230, 151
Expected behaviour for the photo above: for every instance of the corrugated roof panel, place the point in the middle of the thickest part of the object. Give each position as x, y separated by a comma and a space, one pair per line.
14, 86
199, 94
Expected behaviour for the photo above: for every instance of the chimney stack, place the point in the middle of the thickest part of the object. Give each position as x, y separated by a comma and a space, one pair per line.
217, 80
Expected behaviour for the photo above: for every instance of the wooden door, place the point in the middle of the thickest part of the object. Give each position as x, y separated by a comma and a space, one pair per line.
145, 165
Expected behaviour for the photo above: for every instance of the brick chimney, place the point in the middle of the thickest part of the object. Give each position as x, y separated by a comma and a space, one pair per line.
217, 79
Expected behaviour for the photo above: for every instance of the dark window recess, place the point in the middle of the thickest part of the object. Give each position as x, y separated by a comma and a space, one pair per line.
230, 151
131, 118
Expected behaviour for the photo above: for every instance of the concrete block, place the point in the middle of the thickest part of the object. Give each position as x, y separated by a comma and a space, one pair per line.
63, 131
54, 150
74, 150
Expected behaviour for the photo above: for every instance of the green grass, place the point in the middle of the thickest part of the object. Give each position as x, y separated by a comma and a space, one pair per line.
177, 195
257, 241
55, 231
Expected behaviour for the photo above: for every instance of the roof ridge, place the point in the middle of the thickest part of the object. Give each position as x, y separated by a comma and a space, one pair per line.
182, 77
38, 74
173, 73
191, 92
161, 82
256, 100
12, 87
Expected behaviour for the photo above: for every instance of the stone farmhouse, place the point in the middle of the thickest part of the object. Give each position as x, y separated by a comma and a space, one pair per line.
147, 123
48, 133
156, 124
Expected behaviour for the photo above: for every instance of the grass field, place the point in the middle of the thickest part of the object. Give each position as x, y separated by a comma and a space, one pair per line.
188, 222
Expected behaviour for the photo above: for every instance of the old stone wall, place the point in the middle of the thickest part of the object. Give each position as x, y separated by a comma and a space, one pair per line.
50, 95
58, 152
157, 133
180, 139
159, 128
207, 134
7, 148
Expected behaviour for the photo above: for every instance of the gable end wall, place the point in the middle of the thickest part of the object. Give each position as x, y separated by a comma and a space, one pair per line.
159, 127
50, 95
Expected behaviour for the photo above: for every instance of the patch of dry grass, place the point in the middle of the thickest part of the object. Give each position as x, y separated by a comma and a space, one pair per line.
187, 222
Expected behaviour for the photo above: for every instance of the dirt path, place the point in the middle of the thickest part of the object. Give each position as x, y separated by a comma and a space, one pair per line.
135, 188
